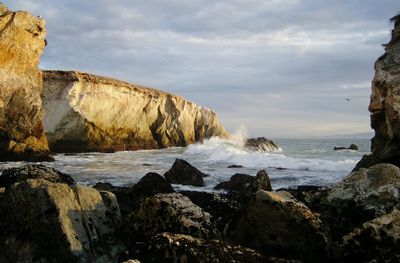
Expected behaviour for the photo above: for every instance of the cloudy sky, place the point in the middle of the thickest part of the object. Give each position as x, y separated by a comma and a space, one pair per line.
282, 68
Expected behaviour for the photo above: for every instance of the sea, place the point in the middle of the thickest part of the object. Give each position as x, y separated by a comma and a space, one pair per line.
297, 162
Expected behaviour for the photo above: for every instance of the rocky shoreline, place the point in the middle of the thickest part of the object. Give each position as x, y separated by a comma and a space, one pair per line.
46, 216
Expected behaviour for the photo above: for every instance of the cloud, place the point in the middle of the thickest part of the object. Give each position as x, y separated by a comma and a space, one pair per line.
280, 67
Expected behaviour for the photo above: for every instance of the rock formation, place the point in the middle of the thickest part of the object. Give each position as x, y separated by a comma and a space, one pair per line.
22, 39
184, 173
43, 221
261, 144
84, 112
384, 105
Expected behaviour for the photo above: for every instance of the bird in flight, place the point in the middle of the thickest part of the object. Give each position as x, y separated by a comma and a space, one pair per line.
348, 99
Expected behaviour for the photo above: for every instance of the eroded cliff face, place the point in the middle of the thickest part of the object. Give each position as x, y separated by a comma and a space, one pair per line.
84, 112
22, 39
385, 104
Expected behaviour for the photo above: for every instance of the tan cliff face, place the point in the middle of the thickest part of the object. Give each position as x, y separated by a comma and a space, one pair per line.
84, 112
22, 39
385, 104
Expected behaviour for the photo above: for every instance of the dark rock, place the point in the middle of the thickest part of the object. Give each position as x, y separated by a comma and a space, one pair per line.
275, 222
43, 221
33, 171
235, 166
131, 198
351, 147
183, 173
222, 208
261, 144
168, 247
151, 184
170, 213
262, 182
375, 241
237, 182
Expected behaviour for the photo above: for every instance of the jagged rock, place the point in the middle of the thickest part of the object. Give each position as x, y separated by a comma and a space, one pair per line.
245, 183
222, 208
129, 117
261, 144
384, 104
376, 189
151, 184
351, 147
43, 221
33, 171
22, 39
278, 224
375, 241
237, 182
262, 182
182, 172
168, 247
170, 213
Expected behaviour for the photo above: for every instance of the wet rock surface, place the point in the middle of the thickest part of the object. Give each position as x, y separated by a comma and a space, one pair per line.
261, 144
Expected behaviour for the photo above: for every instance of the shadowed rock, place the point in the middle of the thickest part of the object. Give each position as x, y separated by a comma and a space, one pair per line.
261, 144
183, 173
351, 147
43, 221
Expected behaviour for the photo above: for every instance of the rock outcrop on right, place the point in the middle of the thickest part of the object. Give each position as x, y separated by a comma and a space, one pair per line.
22, 40
385, 104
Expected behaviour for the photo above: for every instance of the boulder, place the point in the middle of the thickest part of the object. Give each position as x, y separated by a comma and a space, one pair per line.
384, 105
129, 117
237, 182
375, 241
183, 173
170, 213
168, 247
376, 189
43, 221
278, 224
261, 144
123, 194
222, 207
151, 184
245, 183
22, 39
235, 166
33, 171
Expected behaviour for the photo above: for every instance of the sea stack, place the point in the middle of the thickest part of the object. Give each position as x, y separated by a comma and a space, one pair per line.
22, 40
385, 104
84, 112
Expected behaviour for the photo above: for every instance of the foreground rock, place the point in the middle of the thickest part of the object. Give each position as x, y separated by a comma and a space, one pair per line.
375, 241
182, 172
130, 198
167, 247
170, 213
22, 39
261, 144
129, 117
43, 221
275, 222
14, 175
384, 105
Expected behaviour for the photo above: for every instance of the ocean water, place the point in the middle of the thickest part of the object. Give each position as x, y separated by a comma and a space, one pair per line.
298, 162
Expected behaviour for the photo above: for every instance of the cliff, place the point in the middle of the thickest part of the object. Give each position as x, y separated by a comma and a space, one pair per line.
385, 104
22, 39
84, 112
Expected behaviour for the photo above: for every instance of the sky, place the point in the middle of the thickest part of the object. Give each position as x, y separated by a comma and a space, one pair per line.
278, 68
